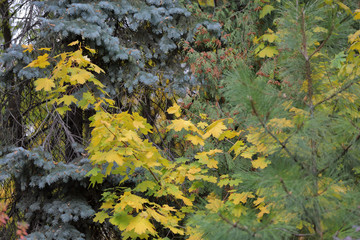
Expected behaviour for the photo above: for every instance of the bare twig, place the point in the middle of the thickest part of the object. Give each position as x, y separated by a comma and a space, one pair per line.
69, 135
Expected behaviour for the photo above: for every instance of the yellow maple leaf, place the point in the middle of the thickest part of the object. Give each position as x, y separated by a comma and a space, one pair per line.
259, 201
353, 37
44, 84
113, 156
269, 51
228, 134
202, 125
96, 68
261, 163
179, 124
141, 225
280, 123
67, 99
320, 29
167, 208
209, 3
90, 50
41, 61
28, 48
194, 233
237, 147
203, 156
195, 139
249, 152
263, 210
176, 230
45, 49
343, 6
215, 129
214, 204
203, 115
211, 163
269, 37
107, 205
237, 198
210, 179
73, 43
238, 210
129, 199
80, 76
138, 124
175, 109
357, 14
157, 216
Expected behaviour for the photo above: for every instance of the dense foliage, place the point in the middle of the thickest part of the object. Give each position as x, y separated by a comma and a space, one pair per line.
180, 119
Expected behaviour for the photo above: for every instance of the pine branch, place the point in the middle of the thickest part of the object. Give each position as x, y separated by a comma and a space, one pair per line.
335, 93
283, 145
284, 187
343, 153
307, 63
323, 43
235, 225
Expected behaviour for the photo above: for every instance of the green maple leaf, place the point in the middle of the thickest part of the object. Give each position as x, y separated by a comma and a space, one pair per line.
87, 99
145, 185
100, 217
266, 10
121, 220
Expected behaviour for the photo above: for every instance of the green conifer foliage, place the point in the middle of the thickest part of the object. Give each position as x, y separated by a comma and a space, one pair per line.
136, 41
301, 123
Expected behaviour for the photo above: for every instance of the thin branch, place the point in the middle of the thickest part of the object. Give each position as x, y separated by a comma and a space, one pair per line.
335, 93
235, 225
307, 64
323, 43
284, 187
343, 153
67, 132
273, 136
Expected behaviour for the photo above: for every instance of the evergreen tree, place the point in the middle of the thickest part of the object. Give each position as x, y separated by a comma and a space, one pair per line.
300, 115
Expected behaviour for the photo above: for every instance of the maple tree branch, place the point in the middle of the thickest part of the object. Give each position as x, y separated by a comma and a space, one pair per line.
151, 172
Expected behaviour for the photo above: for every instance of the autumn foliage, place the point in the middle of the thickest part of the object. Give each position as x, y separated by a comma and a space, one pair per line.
265, 147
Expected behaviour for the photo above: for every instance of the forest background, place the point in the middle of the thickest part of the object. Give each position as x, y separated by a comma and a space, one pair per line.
162, 119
